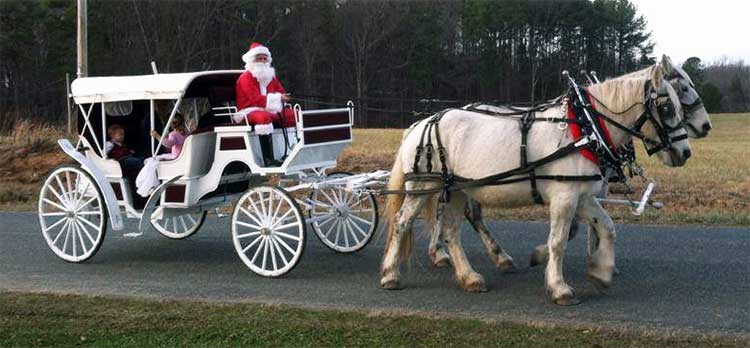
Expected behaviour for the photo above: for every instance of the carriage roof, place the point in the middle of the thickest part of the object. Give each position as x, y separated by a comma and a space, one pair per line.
156, 86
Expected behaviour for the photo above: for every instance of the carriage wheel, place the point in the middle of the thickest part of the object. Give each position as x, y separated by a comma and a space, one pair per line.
179, 226
72, 214
268, 230
344, 221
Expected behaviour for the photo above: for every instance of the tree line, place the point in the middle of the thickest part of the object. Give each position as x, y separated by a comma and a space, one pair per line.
397, 60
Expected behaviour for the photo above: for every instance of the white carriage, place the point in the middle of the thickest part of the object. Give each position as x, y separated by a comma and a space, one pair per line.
218, 166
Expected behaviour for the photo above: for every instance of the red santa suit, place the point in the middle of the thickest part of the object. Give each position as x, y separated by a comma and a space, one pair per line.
259, 99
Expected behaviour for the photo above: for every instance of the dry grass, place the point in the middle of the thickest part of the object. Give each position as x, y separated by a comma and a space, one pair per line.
713, 188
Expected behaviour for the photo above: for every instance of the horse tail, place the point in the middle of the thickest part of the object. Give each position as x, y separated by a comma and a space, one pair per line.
393, 204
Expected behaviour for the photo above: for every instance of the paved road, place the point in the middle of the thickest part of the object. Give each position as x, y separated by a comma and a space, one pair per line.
674, 278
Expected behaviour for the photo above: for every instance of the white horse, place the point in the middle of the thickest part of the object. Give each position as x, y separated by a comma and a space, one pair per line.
697, 124
477, 146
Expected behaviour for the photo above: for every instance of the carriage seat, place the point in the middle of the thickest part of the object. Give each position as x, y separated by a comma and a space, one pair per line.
196, 157
109, 167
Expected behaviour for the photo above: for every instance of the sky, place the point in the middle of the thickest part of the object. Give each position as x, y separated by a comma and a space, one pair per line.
707, 29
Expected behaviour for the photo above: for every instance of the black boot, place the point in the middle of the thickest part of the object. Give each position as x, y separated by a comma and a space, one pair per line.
266, 148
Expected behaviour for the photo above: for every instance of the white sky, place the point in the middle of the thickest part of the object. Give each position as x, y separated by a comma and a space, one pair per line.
707, 29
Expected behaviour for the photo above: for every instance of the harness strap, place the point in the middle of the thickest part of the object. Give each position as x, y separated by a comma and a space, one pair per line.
526, 122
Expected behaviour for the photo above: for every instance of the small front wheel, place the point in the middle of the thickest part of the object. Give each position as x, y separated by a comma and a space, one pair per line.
344, 221
268, 230
72, 214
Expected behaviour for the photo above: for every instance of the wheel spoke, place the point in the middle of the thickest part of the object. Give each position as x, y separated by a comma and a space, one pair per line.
250, 234
329, 197
255, 241
63, 193
276, 211
358, 228
86, 232
352, 231
286, 235
67, 233
258, 212
92, 212
57, 195
88, 201
249, 225
257, 251
263, 208
330, 230
280, 252
95, 227
272, 250
55, 224
361, 211
53, 214
360, 219
54, 204
344, 228
285, 226
182, 222
281, 219
285, 245
244, 211
329, 219
192, 221
83, 194
62, 229
338, 233
265, 254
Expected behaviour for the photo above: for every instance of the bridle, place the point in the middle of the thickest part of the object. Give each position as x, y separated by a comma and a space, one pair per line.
653, 102
687, 107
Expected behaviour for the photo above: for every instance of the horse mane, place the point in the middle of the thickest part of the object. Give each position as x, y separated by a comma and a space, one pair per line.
618, 95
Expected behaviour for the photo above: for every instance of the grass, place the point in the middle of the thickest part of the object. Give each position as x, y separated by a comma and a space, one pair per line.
713, 188
45, 320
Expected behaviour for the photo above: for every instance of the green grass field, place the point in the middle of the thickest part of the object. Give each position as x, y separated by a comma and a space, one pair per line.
41, 320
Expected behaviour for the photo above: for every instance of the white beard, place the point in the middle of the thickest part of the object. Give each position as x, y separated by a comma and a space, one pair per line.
263, 72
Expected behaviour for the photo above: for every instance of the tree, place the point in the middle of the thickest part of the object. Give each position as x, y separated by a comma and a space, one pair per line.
711, 97
694, 68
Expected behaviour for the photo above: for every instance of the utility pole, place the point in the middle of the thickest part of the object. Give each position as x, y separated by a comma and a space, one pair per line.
83, 65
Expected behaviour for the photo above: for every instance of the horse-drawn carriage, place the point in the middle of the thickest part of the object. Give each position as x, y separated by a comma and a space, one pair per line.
218, 166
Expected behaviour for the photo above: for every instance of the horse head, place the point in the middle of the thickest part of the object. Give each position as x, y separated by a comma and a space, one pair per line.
697, 122
665, 133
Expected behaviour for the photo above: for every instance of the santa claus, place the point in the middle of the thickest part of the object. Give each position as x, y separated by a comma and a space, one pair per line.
261, 98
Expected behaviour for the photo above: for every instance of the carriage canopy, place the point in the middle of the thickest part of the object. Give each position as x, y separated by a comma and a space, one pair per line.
144, 87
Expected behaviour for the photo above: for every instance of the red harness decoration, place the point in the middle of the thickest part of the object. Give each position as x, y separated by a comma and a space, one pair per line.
575, 131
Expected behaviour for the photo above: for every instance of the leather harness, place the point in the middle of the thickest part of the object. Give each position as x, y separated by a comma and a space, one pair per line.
526, 171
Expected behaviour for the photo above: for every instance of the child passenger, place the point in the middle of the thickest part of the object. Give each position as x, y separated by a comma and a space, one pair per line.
118, 151
147, 179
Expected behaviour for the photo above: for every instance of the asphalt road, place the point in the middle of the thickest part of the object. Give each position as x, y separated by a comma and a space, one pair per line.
691, 279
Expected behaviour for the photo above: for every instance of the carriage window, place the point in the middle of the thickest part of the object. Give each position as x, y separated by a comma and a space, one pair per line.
122, 108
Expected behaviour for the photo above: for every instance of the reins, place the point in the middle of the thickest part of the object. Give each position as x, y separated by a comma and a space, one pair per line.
593, 139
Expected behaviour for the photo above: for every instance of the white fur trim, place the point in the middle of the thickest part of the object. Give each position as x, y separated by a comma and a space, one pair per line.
240, 116
264, 129
250, 54
273, 102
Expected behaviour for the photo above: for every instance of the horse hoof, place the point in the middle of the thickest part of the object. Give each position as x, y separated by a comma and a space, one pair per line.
390, 284
507, 266
475, 283
600, 284
442, 263
566, 301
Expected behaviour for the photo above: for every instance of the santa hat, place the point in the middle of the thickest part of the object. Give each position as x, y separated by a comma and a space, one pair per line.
254, 50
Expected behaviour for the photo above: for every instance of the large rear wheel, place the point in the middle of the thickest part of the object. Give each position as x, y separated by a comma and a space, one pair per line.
72, 214
268, 230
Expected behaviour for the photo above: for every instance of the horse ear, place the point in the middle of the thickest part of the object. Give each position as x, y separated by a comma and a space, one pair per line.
657, 75
666, 65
